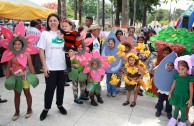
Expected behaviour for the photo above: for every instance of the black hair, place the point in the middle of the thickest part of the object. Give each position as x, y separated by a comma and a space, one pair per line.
118, 32
112, 40
39, 20
151, 31
131, 27
90, 18
167, 49
33, 23
62, 31
141, 37
52, 15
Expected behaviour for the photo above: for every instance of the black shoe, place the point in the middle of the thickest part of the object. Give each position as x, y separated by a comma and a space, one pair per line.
62, 110
66, 84
158, 114
94, 103
192, 124
169, 115
99, 99
83, 98
43, 115
140, 90
126, 103
2, 75
3, 100
140, 94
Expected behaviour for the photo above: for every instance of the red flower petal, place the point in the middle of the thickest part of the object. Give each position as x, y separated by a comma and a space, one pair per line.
32, 38
7, 55
5, 43
31, 49
7, 33
20, 29
22, 59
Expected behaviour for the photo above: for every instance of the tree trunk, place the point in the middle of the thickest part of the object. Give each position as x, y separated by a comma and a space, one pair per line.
118, 8
63, 9
75, 9
59, 8
125, 14
134, 13
144, 14
80, 11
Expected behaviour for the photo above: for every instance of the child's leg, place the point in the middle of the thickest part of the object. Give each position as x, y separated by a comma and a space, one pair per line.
161, 99
75, 89
176, 112
168, 105
114, 89
136, 90
28, 99
17, 102
82, 88
128, 95
68, 61
183, 114
187, 112
108, 78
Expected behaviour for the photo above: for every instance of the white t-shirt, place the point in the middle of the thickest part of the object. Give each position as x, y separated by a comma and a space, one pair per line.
55, 56
96, 44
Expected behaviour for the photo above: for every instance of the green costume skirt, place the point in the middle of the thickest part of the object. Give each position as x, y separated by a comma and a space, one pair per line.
15, 82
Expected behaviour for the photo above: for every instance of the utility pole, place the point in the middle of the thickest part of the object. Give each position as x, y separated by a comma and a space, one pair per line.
103, 2
97, 15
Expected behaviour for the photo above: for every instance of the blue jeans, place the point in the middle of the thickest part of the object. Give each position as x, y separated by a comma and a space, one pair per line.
110, 88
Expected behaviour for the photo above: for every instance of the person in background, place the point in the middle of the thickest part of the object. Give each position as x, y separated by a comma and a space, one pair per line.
118, 34
40, 27
35, 58
88, 22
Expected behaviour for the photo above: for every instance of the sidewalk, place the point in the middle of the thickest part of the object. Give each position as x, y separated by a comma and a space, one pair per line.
111, 113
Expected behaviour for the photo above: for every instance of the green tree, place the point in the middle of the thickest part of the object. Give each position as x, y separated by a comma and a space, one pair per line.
161, 15
178, 12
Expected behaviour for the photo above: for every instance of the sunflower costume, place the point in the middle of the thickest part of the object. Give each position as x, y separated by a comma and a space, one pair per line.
20, 77
132, 73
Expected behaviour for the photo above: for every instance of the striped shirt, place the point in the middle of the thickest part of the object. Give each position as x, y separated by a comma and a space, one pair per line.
70, 40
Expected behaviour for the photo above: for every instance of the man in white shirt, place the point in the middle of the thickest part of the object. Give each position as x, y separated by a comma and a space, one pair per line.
35, 58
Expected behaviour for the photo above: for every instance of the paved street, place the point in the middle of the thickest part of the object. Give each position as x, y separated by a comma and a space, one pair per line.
111, 113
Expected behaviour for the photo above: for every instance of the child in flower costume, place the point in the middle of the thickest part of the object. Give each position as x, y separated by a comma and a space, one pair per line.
132, 77
94, 65
20, 71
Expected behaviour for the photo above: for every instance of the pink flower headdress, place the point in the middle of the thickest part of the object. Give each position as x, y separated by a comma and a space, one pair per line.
96, 73
85, 43
27, 44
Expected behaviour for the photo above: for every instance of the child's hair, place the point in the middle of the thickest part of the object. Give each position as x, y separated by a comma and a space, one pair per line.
118, 32
183, 63
136, 60
20, 41
69, 22
167, 49
126, 44
141, 37
112, 40
170, 63
131, 27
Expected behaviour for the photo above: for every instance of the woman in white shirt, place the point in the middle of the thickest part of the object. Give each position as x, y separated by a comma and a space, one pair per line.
54, 65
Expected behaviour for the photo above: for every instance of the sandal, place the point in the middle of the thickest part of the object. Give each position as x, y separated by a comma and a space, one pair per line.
132, 104
126, 103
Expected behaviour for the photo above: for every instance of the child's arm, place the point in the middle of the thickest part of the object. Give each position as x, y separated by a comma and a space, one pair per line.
142, 74
172, 89
8, 72
89, 77
189, 102
29, 61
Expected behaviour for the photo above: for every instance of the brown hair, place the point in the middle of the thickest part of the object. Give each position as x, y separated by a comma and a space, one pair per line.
136, 60
47, 24
183, 63
69, 22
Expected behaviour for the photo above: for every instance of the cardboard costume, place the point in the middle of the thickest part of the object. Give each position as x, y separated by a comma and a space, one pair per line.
106, 51
165, 81
18, 58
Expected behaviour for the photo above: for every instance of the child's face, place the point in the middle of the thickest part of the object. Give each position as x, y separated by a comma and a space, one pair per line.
169, 66
71, 52
131, 61
66, 26
111, 44
119, 34
127, 49
182, 70
94, 64
140, 40
17, 45
80, 48
165, 53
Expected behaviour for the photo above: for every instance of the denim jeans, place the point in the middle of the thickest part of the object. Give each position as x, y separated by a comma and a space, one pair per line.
110, 88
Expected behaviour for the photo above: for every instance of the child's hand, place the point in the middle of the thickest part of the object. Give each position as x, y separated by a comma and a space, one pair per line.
189, 103
60, 35
169, 96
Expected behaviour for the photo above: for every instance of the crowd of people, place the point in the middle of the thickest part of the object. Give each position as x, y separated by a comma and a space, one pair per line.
59, 43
